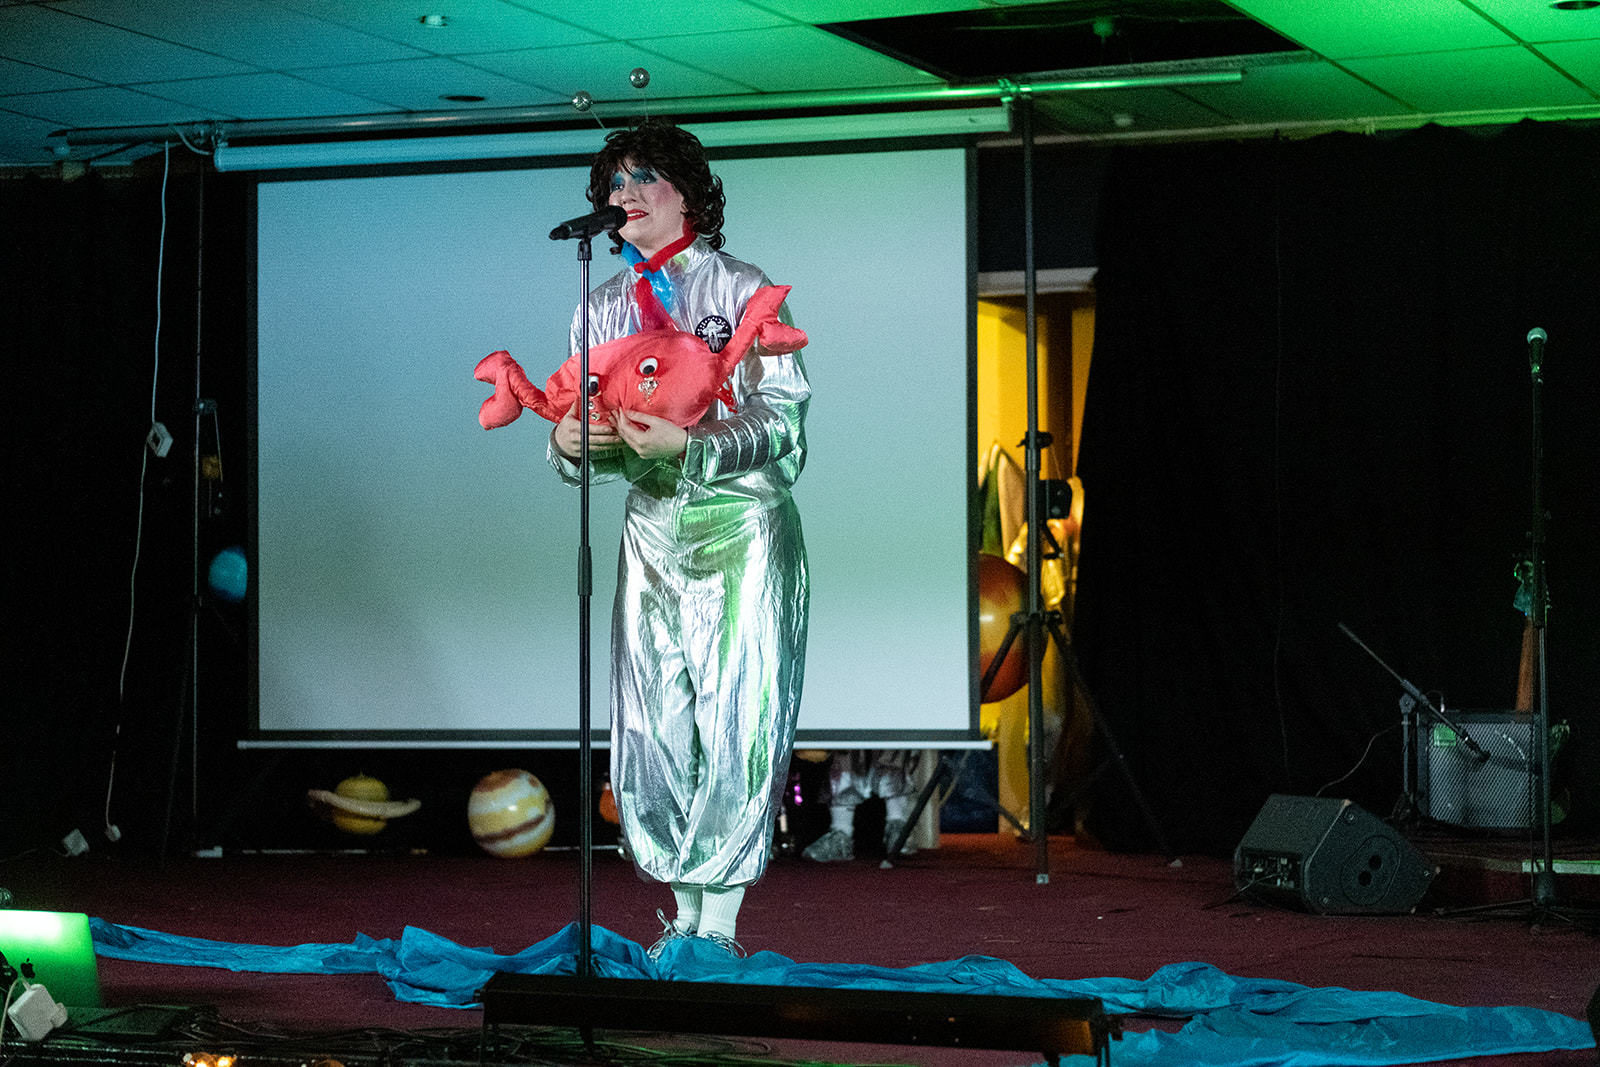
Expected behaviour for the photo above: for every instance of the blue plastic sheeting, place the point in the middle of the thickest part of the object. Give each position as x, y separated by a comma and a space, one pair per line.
1233, 1022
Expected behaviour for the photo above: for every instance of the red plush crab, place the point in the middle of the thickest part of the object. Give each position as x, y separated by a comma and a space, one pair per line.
665, 372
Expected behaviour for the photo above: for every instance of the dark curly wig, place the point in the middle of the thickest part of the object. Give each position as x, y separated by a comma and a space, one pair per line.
676, 155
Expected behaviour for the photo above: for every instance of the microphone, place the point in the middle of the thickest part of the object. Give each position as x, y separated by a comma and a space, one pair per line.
610, 217
1536, 339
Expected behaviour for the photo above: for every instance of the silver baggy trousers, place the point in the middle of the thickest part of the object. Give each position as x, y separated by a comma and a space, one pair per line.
708, 642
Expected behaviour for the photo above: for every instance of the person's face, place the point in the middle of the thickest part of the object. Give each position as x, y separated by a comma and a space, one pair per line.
654, 207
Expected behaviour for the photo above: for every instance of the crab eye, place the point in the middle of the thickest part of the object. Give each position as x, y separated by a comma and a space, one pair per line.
647, 366
594, 385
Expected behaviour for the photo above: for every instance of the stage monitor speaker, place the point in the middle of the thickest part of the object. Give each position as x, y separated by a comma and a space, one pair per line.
1328, 856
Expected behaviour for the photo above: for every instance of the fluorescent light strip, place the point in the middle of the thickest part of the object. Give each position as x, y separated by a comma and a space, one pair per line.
586, 141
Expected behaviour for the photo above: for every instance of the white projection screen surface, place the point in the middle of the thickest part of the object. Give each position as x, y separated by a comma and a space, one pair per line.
417, 576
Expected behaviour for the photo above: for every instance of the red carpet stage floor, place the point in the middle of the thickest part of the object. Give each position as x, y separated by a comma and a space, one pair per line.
1100, 915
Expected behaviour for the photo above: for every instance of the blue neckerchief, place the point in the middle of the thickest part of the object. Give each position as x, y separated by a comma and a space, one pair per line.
660, 283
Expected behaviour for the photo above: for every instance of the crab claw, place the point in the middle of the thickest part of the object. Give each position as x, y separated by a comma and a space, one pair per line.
511, 387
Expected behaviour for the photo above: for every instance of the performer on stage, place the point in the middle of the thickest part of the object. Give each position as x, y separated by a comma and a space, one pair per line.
709, 626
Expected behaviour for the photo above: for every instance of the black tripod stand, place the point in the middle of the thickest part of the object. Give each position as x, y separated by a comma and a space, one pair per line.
1034, 621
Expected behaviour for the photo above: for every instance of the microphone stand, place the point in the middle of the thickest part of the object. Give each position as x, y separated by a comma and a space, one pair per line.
1542, 899
585, 596
1544, 878
584, 228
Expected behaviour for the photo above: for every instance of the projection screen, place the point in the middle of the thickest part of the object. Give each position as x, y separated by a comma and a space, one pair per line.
417, 576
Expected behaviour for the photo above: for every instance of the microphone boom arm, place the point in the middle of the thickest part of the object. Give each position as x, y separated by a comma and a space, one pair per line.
1477, 750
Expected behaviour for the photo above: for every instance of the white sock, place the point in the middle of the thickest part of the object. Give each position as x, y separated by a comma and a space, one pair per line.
719, 909
898, 807
844, 817
689, 900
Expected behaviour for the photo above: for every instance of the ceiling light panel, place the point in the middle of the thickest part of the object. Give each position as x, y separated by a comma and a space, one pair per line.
792, 58
472, 25
54, 39
1486, 79
416, 84
1344, 29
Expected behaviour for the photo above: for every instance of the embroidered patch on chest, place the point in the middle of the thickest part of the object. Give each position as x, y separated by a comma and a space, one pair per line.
715, 331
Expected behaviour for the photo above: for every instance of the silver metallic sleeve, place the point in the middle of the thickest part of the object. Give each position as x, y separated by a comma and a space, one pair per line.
767, 431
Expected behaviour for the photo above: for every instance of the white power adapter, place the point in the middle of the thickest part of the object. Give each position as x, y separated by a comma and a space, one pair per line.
36, 1013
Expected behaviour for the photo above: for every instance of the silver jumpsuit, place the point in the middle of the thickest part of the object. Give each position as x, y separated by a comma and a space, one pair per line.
709, 627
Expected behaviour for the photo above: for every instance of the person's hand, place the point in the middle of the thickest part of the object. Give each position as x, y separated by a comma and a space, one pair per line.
569, 435
651, 436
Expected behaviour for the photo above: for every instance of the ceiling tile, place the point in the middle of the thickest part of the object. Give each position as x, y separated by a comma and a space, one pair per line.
26, 78
1581, 59
473, 25
262, 34
1293, 92
1541, 22
638, 19
418, 84
791, 58
815, 11
1146, 109
1484, 79
602, 69
23, 139
260, 96
80, 108
1343, 29
50, 38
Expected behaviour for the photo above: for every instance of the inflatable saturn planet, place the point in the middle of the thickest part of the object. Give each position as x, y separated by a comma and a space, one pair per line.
360, 805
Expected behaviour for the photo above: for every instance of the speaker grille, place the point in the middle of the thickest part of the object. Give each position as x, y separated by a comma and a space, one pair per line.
1493, 794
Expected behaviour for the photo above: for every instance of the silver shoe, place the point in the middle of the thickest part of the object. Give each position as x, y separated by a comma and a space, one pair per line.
831, 847
724, 942
670, 934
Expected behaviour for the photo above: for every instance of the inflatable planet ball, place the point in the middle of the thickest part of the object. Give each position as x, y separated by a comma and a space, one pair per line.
229, 575
1002, 590
510, 814
360, 787
360, 805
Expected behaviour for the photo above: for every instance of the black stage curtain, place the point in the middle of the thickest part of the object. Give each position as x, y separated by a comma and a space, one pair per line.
1310, 403
78, 299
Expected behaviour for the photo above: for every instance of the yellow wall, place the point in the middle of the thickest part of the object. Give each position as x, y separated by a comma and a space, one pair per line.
1065, 325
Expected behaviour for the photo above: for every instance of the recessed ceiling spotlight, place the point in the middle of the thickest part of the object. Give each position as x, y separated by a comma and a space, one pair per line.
462, 98
434, 22
1575, 5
